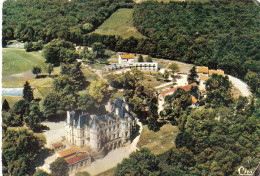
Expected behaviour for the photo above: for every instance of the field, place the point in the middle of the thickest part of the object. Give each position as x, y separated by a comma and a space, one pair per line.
18, 61
120, 23
11, 100
158, 142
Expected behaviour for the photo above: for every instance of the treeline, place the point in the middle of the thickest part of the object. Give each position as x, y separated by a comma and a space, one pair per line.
33, 20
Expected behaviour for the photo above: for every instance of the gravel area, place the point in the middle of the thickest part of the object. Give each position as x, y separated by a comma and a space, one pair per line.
55, 133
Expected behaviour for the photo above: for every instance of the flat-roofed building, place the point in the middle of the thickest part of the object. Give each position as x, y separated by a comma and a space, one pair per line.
219, 72
201, 69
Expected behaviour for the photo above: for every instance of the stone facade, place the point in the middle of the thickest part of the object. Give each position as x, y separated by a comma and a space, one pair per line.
97, 132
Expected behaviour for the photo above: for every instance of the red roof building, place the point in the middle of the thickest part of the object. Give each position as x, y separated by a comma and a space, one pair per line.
129, 56
76, 158
77, 161
66, 153
170, 91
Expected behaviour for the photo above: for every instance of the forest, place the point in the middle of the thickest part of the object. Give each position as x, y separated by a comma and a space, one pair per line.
219, 34
33, 20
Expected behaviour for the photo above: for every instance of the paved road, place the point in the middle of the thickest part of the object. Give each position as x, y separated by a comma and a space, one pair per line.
242, 86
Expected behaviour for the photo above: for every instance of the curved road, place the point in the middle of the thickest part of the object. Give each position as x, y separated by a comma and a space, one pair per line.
242, 86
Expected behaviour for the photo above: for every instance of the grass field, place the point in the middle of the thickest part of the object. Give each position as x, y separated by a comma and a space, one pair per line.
11, 100
160, 141
120, 23
18, 60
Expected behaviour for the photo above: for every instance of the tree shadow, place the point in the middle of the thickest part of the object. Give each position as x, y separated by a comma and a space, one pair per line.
41, 76
135, 132
57, 117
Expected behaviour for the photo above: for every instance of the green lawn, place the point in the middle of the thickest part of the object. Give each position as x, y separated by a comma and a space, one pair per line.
18, 61
120, 23
11, 100
160, 141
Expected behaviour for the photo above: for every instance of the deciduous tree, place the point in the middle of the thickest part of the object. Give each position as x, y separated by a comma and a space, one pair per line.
36, 71
139, 163
99, 90
59, 167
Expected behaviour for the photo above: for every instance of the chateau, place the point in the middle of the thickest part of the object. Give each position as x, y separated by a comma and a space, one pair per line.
100, 132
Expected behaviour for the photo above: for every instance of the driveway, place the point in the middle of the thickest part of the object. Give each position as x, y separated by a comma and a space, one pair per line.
242, 86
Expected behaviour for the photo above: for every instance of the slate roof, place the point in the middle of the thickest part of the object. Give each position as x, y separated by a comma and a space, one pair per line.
118, 103
79, 121
94, 123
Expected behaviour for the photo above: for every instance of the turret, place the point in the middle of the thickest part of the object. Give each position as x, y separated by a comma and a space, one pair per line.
94, 141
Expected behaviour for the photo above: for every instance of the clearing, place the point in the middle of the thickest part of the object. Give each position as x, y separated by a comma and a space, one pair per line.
160, 141
120, 23
18, 61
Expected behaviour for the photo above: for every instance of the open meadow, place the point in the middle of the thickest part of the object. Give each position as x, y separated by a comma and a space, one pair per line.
119, 23
18, 61
160, 141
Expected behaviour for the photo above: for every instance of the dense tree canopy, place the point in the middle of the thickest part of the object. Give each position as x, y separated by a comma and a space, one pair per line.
58, 51
218, 90
139, 163
59, 167
99, 90
217, 33
45, 20
19, 151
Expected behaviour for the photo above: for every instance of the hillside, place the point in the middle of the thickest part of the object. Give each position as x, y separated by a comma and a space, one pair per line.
119, 23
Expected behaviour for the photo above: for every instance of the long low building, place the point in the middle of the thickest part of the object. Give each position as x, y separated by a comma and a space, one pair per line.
149, 66
78, 161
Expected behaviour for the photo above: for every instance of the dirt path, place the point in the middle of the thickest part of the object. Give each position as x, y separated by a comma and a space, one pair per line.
112, 158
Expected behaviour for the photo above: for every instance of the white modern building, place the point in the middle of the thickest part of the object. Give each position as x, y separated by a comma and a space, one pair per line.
127, 61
